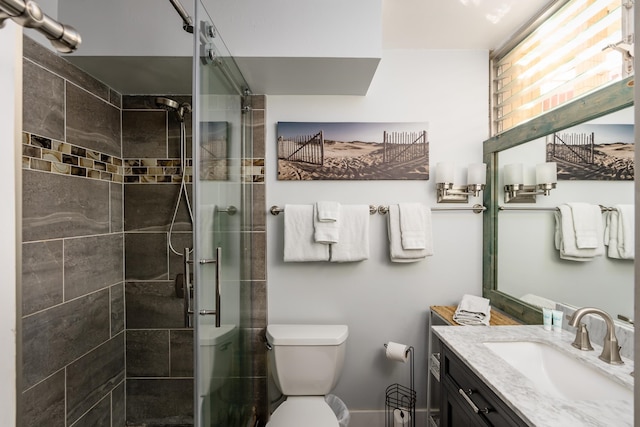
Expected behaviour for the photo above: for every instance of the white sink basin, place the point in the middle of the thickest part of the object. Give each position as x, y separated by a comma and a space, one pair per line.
557, 374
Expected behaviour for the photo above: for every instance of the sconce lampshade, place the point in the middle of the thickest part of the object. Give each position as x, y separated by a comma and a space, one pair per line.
547, 173
477, 173
444, 172
513, 174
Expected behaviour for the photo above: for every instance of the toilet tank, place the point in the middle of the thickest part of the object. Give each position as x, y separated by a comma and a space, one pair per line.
306, 360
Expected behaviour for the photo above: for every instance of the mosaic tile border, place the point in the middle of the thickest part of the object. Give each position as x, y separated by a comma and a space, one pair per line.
155, 171
48, 155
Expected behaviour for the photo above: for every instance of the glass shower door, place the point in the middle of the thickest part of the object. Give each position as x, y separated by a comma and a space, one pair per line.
222, 137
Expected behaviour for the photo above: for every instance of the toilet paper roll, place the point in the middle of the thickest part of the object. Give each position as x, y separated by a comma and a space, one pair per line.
397, 351
401, 417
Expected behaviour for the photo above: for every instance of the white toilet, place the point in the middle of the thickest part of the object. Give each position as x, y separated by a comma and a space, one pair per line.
217, 352
306, 362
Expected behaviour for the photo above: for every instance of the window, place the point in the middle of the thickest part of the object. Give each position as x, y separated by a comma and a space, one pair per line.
582, 46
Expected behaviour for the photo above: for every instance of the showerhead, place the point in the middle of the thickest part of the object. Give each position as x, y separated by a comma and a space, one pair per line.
171, 105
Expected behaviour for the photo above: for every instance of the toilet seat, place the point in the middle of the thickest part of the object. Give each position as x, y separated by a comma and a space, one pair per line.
308, 411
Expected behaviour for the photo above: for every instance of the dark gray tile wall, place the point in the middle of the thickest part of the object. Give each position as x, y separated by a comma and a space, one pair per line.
58, 206
92, 377
158, 346
160, 402
72, 319
254, 288
98, 276
92, 123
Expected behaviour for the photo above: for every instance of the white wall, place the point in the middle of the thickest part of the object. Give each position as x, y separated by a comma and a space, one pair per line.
331, 28
378, 300
10, 128
127, 28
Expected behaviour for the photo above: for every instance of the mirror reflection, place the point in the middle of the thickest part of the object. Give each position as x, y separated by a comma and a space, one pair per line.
529, 266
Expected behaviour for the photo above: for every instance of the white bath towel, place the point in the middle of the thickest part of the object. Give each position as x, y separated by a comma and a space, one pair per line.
413, 225
299, 245
565, 237
587, 221
326, 232
396, 251
354, 234
611, 234
473, 310
626, 231
328, 211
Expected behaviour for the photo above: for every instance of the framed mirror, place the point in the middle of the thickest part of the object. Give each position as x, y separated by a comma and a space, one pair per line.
522, 269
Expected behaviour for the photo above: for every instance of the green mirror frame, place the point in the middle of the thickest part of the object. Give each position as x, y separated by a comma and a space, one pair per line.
609, 99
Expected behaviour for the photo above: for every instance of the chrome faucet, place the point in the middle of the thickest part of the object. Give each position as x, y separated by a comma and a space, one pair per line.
610, 348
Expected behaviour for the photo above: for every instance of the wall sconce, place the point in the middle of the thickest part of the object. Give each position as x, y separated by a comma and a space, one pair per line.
448, 193
516, 192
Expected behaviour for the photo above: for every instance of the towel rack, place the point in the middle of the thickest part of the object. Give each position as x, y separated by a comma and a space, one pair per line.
276, 210
382, 210
543, 208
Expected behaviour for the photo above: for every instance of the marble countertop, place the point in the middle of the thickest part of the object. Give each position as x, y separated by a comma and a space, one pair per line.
534, 407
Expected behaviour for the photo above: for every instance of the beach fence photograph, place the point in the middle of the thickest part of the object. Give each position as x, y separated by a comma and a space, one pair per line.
593, 152
214, 151
352, 151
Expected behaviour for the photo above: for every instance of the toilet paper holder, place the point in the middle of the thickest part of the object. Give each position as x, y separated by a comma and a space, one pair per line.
400, 401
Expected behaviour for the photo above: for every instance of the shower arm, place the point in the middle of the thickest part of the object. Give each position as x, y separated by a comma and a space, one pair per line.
64, 38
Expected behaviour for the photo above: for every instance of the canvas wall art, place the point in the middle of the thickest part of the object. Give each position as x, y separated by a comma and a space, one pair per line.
593, 152
214, 164
352, 151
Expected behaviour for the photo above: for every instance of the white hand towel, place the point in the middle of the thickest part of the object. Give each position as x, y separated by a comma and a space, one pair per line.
626, 231
396, 251
473, 310
585, 224
354, 234
413, 225
326, 232
565, 237
611, 234
299, 245
328, 211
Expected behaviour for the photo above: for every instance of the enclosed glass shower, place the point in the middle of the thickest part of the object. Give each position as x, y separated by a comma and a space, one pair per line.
222, 250
107, 336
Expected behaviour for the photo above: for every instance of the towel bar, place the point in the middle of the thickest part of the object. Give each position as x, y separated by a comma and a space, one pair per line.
276, 210
383, 210
543, 208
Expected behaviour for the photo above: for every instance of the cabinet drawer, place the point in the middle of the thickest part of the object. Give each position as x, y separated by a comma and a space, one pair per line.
463, 385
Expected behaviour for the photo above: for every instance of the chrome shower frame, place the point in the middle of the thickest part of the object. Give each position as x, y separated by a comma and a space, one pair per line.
64, 38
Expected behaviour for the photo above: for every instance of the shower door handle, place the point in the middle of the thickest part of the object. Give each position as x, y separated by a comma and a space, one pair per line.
218, 263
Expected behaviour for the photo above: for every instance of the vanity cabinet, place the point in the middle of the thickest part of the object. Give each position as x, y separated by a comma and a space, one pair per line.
443, 316
465, 401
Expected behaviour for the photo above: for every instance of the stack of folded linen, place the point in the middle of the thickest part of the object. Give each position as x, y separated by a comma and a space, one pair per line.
579, 234
326, 231
619, 232
472, 311
410, 233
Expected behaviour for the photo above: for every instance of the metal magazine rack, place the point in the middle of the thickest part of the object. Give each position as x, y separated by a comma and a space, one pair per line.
400, 401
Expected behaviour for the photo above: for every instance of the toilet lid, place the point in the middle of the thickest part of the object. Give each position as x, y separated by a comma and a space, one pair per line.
308, 411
